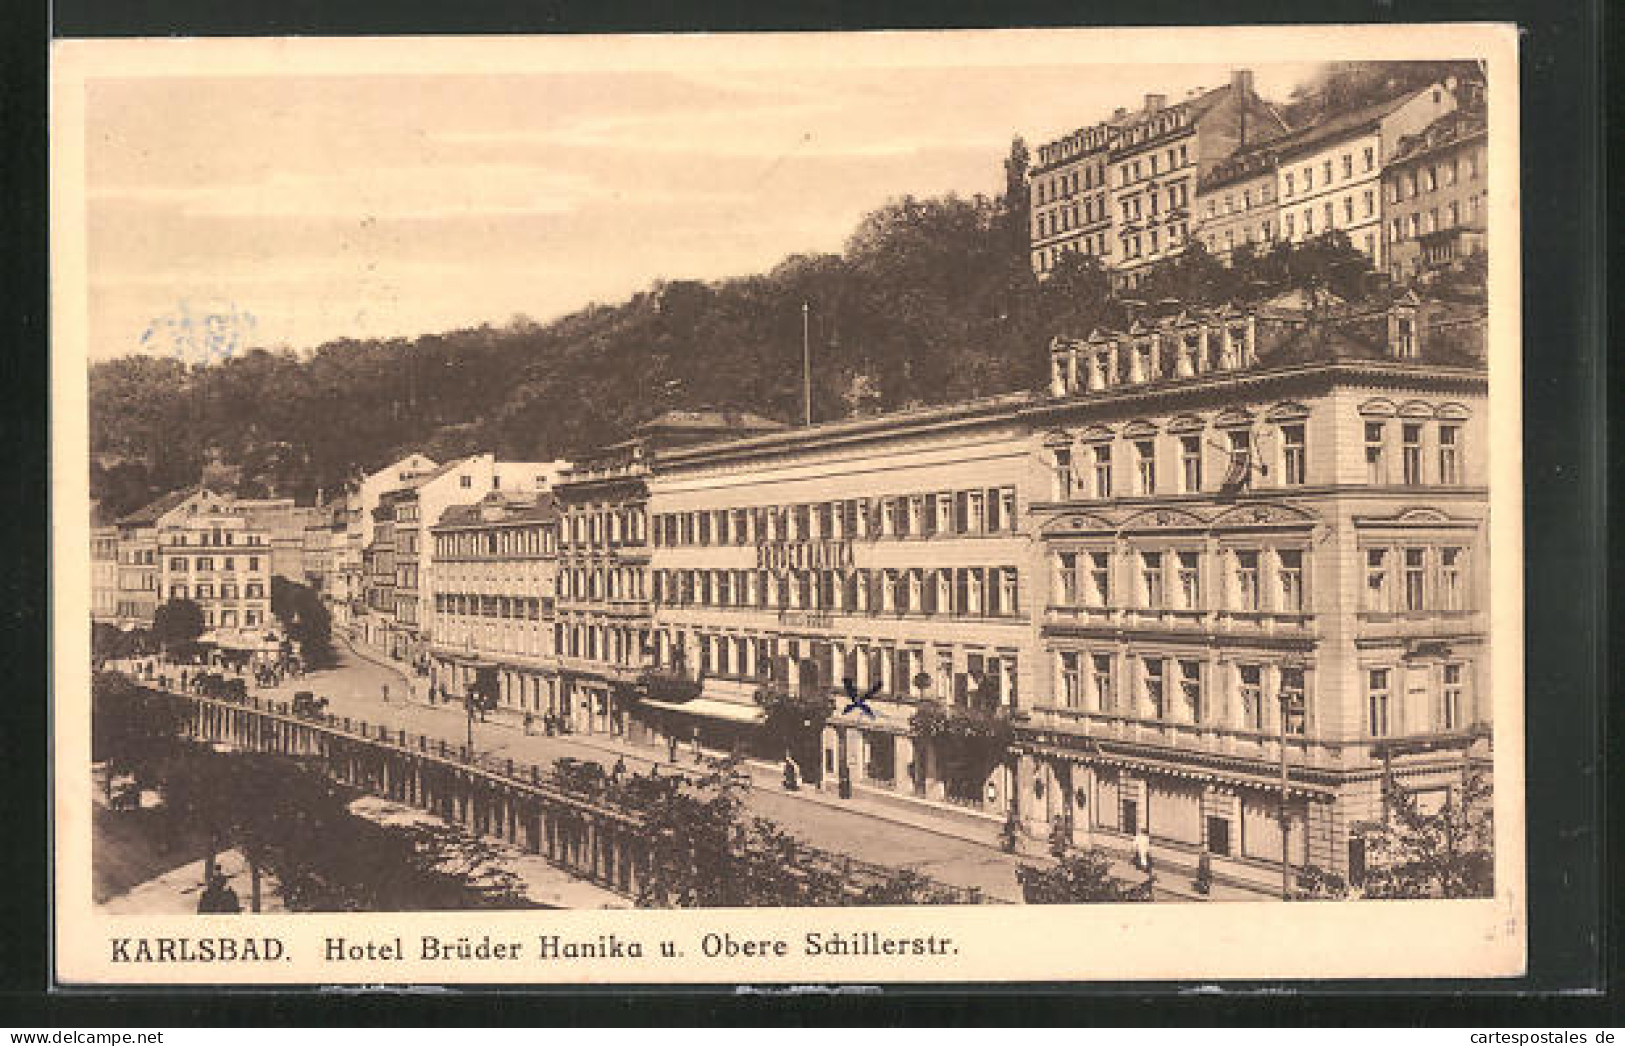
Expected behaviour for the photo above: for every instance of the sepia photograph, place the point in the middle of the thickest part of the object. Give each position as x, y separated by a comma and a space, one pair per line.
928, 488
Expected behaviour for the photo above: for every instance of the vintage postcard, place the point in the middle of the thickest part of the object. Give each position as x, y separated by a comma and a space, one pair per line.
858, 508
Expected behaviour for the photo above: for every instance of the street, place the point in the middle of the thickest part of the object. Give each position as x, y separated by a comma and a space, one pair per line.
355, 688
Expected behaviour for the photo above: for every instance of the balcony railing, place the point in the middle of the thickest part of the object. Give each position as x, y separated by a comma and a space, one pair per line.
1251, 621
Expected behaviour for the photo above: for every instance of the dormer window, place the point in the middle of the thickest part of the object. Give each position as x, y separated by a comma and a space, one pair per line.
1405, 338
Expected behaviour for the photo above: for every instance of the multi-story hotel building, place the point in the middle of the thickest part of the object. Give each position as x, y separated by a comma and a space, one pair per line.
1148, 164
350, 576
1071, 202
496, 569
283, 522
378, 623
216, 560
604, 631
104, 573
416, 503
1330, 174
138, 568
886, 551
1236, 205
324, 537
1436, 189
1261, 528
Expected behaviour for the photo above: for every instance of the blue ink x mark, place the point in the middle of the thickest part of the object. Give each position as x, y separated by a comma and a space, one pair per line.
859, 704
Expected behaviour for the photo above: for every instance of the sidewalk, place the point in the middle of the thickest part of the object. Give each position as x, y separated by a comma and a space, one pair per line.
823, 818
1176, 871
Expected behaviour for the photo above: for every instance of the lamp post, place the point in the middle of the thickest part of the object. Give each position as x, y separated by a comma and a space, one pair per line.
468, 709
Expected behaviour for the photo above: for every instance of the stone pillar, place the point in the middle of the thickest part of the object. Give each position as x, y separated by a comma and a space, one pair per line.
934, 786
1023, 798
906, 772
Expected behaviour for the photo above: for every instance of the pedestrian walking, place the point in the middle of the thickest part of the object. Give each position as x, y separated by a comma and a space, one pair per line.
1142, 850
386, 693
671, 748
529, 720
620, 769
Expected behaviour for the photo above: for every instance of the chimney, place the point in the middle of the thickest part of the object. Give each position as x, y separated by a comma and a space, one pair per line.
1153, 102
1242, 81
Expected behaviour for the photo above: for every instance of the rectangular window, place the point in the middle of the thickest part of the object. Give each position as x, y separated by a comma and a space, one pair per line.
1008, 602
1146, 466
1376, 462
1066, 579
1190, 690
1190, 580
1411, 453
1451, 698
1100, 669
1450, 454
1252, 696
1152, 692
1415, 567
1452, 585
1290, 589
1292, 455
1071, 681
1190, 463
1246, 580
1099, 591
975, 509
1376, 580
1240, 473
1151, 579
1294, 705
1102, 469
1376, 696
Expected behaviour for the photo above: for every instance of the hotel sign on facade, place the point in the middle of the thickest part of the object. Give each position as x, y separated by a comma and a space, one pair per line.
827, 554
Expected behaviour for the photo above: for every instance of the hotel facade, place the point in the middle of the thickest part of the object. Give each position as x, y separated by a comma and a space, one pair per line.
1262, 530
1227, 557
496, 568
888, 552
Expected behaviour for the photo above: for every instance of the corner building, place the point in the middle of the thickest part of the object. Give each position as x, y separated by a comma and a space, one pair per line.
1260, 529
890, 551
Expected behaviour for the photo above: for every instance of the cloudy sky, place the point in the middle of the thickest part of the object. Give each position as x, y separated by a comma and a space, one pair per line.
329, 206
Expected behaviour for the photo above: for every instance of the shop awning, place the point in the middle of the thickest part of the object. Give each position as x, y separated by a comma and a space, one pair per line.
707, 708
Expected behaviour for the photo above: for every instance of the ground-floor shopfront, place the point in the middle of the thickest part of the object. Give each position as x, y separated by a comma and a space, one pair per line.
1237, 811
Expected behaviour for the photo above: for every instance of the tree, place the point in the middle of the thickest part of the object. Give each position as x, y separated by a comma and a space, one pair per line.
794, 724
106, 643
304, 618
177, 623
971, 741
1447, 853
1083, 876
133, 730
1015, 201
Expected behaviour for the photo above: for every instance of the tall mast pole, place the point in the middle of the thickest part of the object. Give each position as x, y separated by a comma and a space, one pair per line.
806, 368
